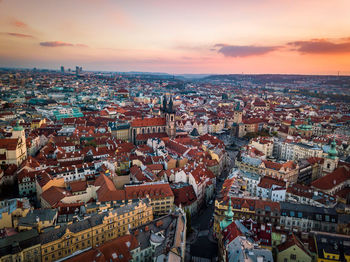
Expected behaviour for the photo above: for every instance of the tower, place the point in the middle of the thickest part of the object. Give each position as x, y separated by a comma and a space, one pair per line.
237, 114
228, 216
331, 161
170, 119
21, 150
291, 128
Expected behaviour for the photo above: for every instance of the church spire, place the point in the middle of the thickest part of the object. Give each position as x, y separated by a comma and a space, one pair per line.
228, 216
333, 153
164, 103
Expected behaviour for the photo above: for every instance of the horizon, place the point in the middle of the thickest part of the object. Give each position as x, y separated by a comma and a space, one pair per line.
197, 37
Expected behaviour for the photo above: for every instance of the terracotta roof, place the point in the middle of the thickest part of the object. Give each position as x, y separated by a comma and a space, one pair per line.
145, 122
329, 181
107, 190
184, 195
268, 182
8, 143
54, 195
117, 250
291, 241
153, 190
77, 186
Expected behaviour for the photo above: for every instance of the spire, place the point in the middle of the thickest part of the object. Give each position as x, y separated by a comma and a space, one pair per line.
18, 127
237, 106
228, 216
164, 103
170, 106
309, 122
333, 153
293, 122
229, 213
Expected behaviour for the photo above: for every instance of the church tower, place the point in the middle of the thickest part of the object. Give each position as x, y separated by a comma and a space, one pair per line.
237, 114
170, 119
331, 161
21, 150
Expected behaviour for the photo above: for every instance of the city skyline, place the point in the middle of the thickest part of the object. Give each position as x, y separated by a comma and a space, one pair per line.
252, 37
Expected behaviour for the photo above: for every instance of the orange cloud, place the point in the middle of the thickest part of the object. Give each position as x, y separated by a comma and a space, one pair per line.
19, 24
321, 46
18, 35
60, 44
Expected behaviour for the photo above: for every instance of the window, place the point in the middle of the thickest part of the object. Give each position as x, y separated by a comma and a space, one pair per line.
293, 256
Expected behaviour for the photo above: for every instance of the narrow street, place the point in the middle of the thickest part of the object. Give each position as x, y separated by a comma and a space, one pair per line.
202, 246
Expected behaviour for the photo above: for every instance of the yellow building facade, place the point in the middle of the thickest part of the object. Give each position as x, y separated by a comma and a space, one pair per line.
94, 231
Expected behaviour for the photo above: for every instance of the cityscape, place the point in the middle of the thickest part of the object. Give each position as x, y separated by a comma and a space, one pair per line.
174, 131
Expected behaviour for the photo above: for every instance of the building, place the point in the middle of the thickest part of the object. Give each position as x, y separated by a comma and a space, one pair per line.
263, 144
11, 210
160, 194
93, 231
332, 247
303, 217
261, 211
331, 161
23, 246
236, 242
335, 181
143, 129
120, 130
121, 249
293, 250
13, 150
163, 239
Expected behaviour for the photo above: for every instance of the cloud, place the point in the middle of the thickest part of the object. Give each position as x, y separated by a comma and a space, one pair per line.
19, 24
18, 35
60, 44
321, 46
243, 51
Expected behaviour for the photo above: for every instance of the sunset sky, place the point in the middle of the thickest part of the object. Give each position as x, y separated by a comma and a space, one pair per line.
178, 36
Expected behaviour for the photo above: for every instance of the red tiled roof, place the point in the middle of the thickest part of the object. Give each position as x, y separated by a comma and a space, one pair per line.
54, 195
148, 122
268, 182
117, 250
293, 241
8, 143
145, 137
329, 181
153, 190
107, 190
77, 186
184, 195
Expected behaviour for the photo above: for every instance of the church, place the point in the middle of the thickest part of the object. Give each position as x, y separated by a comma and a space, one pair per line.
141, 129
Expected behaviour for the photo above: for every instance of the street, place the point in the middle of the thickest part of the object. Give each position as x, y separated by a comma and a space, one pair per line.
202, 246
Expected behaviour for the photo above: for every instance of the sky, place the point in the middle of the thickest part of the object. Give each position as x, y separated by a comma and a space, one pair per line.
178, 36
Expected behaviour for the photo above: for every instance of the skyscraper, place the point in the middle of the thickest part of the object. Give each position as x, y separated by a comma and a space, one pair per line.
62, 69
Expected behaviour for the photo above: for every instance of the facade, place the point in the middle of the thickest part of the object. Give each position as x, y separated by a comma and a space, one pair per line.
163, 239
160, 195
93, 231
258, 210
120, 130
23, 246
13, 150
302, 217
331, 247
293, 250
